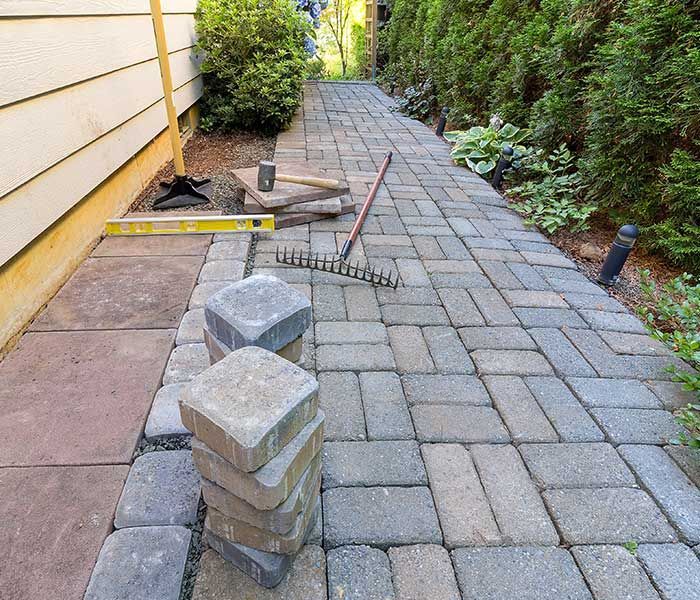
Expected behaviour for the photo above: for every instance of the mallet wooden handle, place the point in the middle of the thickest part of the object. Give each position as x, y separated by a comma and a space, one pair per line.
331, 184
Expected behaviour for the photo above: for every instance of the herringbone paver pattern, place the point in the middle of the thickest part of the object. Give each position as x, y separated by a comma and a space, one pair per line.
489, 394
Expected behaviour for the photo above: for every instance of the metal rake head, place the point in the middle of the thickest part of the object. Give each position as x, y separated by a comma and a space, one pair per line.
336, 265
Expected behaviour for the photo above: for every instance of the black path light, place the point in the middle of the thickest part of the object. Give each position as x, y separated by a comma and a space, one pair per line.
442, 122
504, 163
619, 251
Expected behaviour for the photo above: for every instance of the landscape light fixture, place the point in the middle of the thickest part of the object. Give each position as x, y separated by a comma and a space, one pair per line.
619, 251
504, 163
442, 122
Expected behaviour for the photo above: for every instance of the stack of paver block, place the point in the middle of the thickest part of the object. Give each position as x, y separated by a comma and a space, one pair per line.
257, 429
261, 310
291, 203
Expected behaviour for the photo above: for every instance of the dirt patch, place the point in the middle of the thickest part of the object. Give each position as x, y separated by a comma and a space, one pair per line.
214, 156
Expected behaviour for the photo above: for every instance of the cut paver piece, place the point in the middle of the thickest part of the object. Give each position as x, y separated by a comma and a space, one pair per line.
613, 393
141, 563
465, 515
365, 464
162, 489
687, 459
637, 426
305, 580
359, 572
90, 390
379, 517
613, 573
672, 490
185, 363
671, 394
109, 293
461, 424
423, 571
674, 569
619, 515
70, 506
272, 483
261, 310
191, 330
164, 419
445, 389
576, 466
248, 406
265, 568
526, 573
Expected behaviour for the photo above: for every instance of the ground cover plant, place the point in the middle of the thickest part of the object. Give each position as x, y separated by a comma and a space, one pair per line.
618, 81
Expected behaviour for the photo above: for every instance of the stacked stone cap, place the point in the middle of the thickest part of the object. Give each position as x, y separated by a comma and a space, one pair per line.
261, 310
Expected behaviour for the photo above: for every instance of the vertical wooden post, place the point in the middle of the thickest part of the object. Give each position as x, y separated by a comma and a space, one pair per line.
371, 37
163, 59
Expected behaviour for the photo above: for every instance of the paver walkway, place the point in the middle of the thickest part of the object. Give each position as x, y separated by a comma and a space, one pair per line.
497, 426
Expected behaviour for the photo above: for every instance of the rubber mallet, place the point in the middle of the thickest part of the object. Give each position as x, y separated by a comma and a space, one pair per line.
267, 175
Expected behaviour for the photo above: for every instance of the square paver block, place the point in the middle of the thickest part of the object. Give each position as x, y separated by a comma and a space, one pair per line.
380, 517
359, 572
613, 573
164, 420
240, 532
162, 489
70, 506
445, 389
607, 516
266, 568
91, 390
613, 393
576, 466
151, 245
423, 571
365, 464
637, 426
261, 310
272, 483
462, 424
306, 579
278, 520
526, 573
141, 563
249, 405
140, 292
673, 568
510, 362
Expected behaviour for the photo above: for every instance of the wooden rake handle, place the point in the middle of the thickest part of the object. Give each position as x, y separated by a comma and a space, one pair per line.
331, 184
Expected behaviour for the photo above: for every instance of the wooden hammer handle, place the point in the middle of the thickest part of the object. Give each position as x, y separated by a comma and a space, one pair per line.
331, 184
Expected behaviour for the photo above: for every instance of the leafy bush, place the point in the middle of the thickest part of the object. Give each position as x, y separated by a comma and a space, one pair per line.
255, 62
418, 102
550, 195
479, 148
674, 319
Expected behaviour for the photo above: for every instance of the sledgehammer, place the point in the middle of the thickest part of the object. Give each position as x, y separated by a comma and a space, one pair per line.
267, 175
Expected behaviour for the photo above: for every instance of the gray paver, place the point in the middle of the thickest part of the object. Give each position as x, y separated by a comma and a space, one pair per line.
203, 291
222, 270
500, 275
516, 504
687, 459
461, 424
561, 353
328, 303
365, 464
140, 563
448, 352
185, 363
164, 419
460, 308
359, 572
519, 410
494, 308
613, 321
400, 314
386, 410
412, 272
361, 303
406, 295
368, 516
564, 411
620, 515
636, 426
526, 573
496, 338
231, 250
274, 400
548, 317
530, 278
463, 510
341, 401
534, 299
410, 350
423, 571
355, 357
633, 343
613, 573
162, 489
191, 327
346, 332
594, 465
510, 362
672, 490
672, 395
613, 393
673, 568
445, 389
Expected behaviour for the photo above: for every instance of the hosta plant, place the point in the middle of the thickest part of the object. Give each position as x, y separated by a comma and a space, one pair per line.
480, 147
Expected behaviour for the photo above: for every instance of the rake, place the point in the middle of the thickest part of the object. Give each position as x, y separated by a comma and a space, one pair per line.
339, 264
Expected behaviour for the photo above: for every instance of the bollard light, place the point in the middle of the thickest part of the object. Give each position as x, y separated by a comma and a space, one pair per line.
619, 251
442, 122
503, 164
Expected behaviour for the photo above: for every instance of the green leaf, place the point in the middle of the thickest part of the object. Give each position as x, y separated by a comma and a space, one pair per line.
483, 167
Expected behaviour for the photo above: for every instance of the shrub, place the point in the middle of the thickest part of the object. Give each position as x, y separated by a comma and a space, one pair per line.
255, 62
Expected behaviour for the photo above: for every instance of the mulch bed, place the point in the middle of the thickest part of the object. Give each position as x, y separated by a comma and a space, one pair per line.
214, 156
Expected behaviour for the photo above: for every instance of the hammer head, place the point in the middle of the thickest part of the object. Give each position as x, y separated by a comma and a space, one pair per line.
266, 175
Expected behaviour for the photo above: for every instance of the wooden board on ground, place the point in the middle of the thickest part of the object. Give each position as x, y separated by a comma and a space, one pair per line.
328, 206
290, 220
284, 193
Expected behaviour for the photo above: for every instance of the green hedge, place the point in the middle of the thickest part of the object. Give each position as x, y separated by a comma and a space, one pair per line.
617, 80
